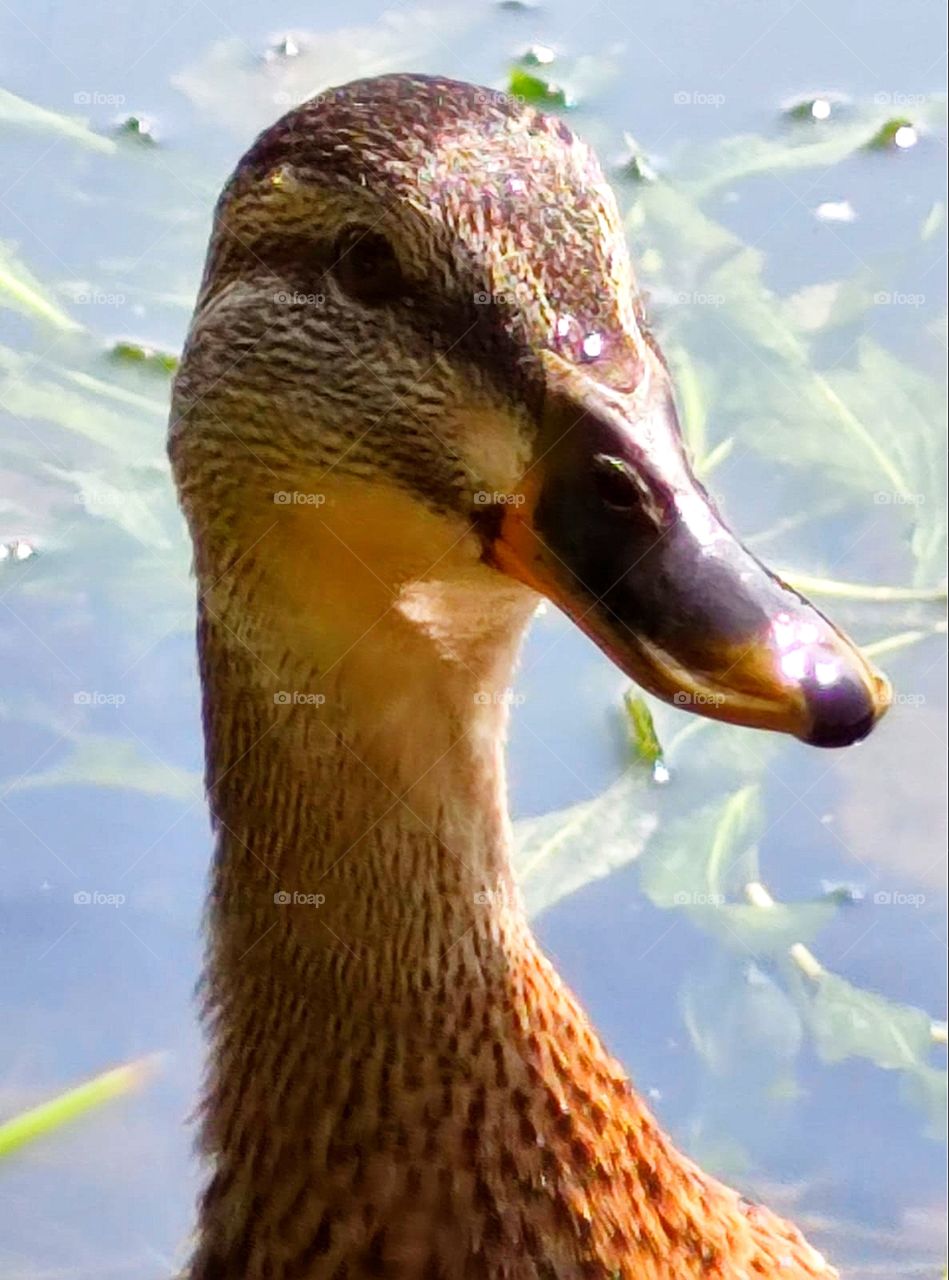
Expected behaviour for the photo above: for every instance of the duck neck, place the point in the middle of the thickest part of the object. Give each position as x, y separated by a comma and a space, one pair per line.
362, 864
396, 1070
360, 804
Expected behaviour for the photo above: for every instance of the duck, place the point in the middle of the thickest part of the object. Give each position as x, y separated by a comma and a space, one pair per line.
418, 397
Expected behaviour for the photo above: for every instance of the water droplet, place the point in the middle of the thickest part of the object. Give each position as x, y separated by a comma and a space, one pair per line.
19, 549
905, 136
819, 107
836, 211
285, 47
539, 55
137, 129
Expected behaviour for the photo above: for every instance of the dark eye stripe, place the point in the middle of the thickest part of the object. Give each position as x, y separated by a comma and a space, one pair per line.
293, 254
431, 321
361, 260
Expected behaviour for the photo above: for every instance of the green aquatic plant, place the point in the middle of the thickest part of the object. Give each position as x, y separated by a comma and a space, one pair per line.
146, 357
49, 1117
536, 89
21, 291
18, 113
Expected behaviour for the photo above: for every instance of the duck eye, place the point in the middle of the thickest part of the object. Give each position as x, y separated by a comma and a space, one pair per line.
614, 483
366, 267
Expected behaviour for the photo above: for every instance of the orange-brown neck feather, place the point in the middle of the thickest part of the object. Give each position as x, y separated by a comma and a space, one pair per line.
400, 1084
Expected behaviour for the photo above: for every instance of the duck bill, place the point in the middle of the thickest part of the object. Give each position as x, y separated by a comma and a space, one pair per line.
611, 525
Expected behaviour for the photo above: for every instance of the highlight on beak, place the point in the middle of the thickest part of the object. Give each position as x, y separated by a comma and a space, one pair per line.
613, 528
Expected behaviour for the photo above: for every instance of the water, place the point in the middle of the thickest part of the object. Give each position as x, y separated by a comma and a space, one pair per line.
101, 752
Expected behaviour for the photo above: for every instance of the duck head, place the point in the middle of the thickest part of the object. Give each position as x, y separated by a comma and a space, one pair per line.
418, 301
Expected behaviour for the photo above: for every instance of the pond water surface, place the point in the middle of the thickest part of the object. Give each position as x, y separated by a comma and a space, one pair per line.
801, 301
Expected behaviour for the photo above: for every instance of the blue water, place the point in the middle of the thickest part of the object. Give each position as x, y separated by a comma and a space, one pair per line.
100, 610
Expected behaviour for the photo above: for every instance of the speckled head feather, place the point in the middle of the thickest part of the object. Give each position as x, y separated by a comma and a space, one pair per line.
518, 200
509, 243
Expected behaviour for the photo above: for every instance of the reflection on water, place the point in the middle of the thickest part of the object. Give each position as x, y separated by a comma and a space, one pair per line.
805, 348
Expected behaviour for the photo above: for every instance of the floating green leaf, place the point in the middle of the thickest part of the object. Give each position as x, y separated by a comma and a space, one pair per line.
245, 94
692, 393
134, 353
21, 290
830, 141
885, 135
847, 1022
934, 222
729, 1005
120, 395
71, 1105
818, 108
737, 158
830, 304
876, 425
537, 90
28, 392
765, 932
642, 730
875, 422
557, 854
18, 112
137, 129
637, 164
135, 499
95, 760
704, 857
927, 1088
